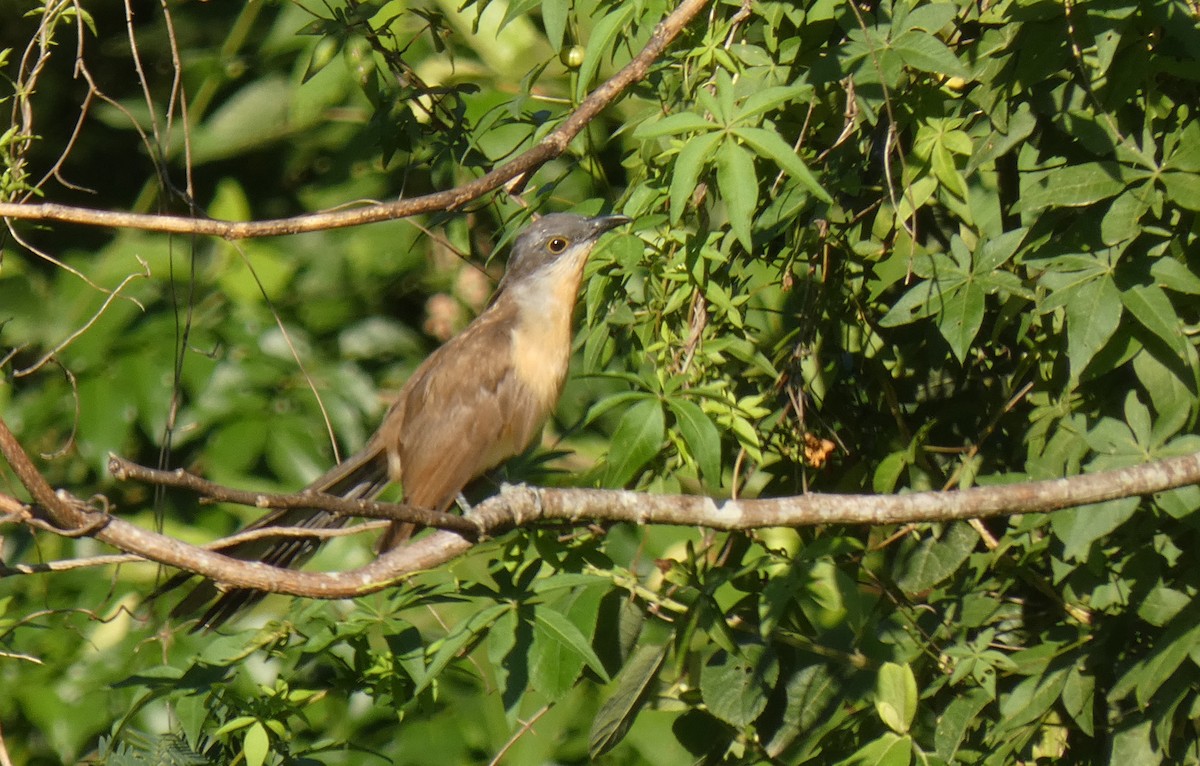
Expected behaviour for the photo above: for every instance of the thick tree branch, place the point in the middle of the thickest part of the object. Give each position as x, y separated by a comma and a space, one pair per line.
519, 506
551, 146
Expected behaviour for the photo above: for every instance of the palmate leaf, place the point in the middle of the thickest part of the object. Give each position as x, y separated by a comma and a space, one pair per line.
1183, 189
960, 716
766, 100
1121, 222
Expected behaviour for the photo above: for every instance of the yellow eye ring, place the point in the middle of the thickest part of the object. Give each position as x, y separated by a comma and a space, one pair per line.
556, 245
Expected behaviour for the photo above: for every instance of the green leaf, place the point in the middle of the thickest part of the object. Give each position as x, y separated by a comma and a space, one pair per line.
1135, 744
888, 750
931, 17
554, 628
769, 145
630, 690
638, 438
997, 251
450, 646
1071, 186
923, 51
961, 318
1078, 697
724, 92
762, 101
960, 716
1186, 154
1021, 124
1174, 275
811, 694
602, 41
736, 687
1122, 221
896, 696
1171, 647
934, 559
1162, 604
689, 163
701, 436
252, 117
1150, 306
1078, 528
233, 724
554, 18
256, 745
739, 189
1093, 313
1032, 699
946, 171
887, 473
1183, 189
683, 122
923, 300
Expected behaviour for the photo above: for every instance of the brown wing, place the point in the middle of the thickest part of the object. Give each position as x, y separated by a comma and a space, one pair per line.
463, 412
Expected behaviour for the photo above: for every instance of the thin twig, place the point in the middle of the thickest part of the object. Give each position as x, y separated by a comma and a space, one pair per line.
525, 727
112, 295
114, 559
125, 470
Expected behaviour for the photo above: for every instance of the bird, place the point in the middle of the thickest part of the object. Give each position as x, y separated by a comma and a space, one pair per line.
476, 401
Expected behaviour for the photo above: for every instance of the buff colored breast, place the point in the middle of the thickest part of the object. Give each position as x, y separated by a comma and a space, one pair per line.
541, 339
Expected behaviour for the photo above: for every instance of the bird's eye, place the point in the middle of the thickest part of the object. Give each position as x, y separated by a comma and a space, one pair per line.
556, 245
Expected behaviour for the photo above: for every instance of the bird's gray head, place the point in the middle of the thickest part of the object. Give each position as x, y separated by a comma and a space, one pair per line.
554, 237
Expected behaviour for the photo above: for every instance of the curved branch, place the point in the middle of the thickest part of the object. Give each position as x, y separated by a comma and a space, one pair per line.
551, 146
517, 506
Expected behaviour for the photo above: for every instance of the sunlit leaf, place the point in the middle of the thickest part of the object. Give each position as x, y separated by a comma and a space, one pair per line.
701, 436
739, 189
636, 440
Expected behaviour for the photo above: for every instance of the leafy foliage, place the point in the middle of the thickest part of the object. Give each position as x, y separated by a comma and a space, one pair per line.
957, 240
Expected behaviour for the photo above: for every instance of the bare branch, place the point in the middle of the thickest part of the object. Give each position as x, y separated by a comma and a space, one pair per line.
517, 506
551, 146
124, 470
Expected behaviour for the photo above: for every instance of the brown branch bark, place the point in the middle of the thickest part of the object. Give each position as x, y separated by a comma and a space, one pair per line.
517, 506
551, 146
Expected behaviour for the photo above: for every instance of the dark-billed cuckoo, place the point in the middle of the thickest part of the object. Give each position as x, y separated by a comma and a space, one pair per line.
473, 403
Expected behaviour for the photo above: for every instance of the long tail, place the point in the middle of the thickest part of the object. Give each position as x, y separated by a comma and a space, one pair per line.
362, 476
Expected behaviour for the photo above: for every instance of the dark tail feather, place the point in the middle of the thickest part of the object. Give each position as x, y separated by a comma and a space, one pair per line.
363, 475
